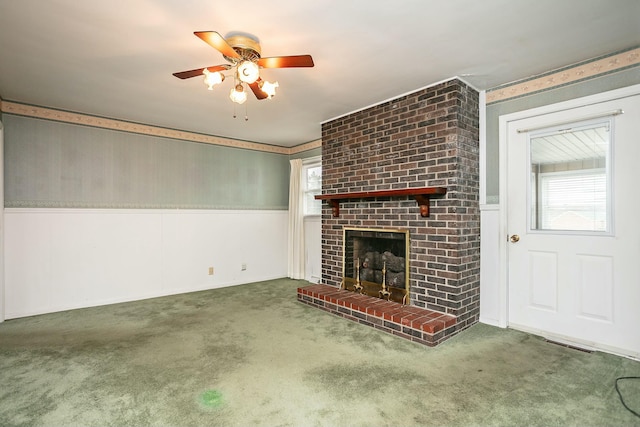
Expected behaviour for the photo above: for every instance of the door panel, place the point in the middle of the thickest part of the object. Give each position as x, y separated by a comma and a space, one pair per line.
595, 287
571, 200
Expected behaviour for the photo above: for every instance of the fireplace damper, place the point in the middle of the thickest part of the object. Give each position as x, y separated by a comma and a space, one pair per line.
376, 262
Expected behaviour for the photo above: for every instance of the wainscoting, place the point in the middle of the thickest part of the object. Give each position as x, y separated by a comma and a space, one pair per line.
60, 259
492, 303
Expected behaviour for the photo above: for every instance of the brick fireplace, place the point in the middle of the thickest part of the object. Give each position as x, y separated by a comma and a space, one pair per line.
423, 140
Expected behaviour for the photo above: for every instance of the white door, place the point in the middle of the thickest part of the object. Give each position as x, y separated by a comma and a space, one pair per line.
573, 227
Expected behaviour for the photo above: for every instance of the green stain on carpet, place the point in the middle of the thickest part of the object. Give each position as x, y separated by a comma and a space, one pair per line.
211, 398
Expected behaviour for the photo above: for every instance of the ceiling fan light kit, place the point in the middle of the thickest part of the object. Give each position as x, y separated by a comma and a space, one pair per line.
243, 53
212, 79
269, 88
248, 71
237, 94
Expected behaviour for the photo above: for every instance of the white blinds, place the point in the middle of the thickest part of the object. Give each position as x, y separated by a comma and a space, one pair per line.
573, 201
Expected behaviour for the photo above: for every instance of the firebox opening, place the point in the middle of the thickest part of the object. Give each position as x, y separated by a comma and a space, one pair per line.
376, 263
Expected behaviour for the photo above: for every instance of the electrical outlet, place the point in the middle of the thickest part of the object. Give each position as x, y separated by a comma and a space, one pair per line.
210, 271
244, 266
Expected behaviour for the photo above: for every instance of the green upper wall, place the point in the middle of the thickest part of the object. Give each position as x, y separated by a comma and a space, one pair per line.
56, 164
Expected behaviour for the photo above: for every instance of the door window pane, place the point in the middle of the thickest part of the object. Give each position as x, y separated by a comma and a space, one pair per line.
570, 179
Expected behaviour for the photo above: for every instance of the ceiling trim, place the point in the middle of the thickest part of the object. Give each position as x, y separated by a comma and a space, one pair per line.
566, 76
305, 147
112, 124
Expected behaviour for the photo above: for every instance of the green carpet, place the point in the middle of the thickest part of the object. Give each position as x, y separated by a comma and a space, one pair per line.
251, 355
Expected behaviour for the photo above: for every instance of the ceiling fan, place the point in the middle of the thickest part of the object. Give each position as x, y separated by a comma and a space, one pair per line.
243, 52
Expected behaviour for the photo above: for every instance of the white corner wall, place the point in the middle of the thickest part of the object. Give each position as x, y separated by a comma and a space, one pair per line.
491, 299
313, 249
2, 305
59, 259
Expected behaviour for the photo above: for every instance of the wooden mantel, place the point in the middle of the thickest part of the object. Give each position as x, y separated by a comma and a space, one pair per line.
421, 195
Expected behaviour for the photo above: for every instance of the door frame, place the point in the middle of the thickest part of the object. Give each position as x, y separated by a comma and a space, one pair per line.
503, 144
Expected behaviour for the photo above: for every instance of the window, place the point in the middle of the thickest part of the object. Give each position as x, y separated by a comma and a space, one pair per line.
574, 201
311, 186
570, 179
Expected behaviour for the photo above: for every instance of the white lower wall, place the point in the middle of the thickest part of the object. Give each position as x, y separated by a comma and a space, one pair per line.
59, 259
491, 299
1, 223
313, 248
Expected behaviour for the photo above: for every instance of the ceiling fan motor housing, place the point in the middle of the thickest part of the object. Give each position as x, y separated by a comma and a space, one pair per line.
246, 47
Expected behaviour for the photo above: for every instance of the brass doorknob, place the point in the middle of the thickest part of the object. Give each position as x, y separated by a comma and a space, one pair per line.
514, 238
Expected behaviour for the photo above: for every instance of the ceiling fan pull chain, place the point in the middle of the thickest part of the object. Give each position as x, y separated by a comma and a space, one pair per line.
246, 114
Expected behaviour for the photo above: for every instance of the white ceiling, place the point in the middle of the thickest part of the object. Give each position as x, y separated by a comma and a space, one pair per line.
115, 58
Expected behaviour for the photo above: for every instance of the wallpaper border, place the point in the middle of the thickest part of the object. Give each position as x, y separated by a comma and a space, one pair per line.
565, 76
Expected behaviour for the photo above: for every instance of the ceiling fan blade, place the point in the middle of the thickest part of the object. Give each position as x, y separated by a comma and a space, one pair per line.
216, 41
255, 87
198, 71
286, 61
